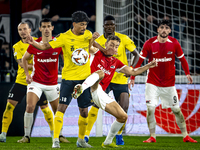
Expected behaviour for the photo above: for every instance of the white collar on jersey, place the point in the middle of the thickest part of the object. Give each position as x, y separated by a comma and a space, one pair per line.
168, 40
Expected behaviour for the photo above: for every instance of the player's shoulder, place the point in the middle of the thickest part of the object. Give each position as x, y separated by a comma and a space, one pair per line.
87, 34
120, 35
17, 44
152, 40
172, 39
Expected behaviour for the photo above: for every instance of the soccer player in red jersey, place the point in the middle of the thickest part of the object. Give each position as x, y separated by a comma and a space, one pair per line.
103, 67
44, 76
161, 80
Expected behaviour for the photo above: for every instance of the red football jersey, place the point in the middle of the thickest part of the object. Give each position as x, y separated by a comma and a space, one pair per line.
45, 64
108, 65
164, 74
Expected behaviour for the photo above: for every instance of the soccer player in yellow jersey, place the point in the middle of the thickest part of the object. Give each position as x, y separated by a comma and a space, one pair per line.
18, 90
77, 37
119, 83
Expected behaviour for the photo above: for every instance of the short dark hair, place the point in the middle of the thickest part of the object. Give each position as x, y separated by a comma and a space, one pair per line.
113, 37
164, 22
45, 20
80, 16
109, 17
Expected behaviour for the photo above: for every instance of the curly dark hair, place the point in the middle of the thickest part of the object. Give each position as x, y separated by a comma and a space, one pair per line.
163, 22
80, 16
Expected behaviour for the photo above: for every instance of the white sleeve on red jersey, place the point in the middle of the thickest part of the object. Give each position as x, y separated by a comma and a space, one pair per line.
145, 50
119, 65
179, 52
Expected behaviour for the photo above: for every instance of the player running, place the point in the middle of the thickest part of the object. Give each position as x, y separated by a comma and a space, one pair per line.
43, 78
161, 79
19, 88
103, 67
119, 83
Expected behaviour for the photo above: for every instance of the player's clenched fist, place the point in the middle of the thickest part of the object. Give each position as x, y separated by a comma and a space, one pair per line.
29, 39
95, 35
153, 63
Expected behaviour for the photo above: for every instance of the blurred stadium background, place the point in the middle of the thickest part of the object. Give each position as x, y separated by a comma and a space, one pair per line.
137, 19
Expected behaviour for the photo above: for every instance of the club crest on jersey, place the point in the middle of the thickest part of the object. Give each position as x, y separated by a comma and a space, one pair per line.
112, 67
72, 40
170, 52
55, 53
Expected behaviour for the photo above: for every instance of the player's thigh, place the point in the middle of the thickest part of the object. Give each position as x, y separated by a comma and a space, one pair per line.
118, 90
34, 88
151, 95
66, 89
54, 105
51, 92
17, 93
169, 97
100, 98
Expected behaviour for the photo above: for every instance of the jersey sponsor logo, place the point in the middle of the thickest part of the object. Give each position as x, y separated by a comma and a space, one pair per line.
47, 60
162, 59
170, 52
72, 40
190, 102
155, 52
38, 53
103, 69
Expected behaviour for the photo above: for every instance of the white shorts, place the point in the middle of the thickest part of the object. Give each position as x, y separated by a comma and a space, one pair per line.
51, 91
167, 95
100, 98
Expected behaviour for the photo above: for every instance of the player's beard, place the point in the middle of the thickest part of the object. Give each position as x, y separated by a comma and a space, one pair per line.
164, 36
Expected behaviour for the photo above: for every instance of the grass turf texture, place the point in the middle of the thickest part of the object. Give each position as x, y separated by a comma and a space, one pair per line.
131, 142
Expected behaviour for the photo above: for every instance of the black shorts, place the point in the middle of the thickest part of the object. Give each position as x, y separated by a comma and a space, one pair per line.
66, 90
117, 89
18, 91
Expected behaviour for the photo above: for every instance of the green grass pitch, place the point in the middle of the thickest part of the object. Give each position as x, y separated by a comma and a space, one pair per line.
131, 142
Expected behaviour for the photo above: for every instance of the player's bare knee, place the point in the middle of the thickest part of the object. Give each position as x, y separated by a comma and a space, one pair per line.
83, 112
30, 108
62, 107
123, 118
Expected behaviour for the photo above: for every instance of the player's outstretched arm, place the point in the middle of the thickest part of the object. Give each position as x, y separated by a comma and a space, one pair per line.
25, 66
128, 71
93, 49
40, 46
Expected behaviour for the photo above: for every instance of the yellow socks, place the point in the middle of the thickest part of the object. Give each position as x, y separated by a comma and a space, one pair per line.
92, 117
58, 123
7, 117
82, 123
48, 115
122, 128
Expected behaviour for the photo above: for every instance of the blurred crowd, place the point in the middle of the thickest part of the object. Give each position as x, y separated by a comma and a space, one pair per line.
184, 15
